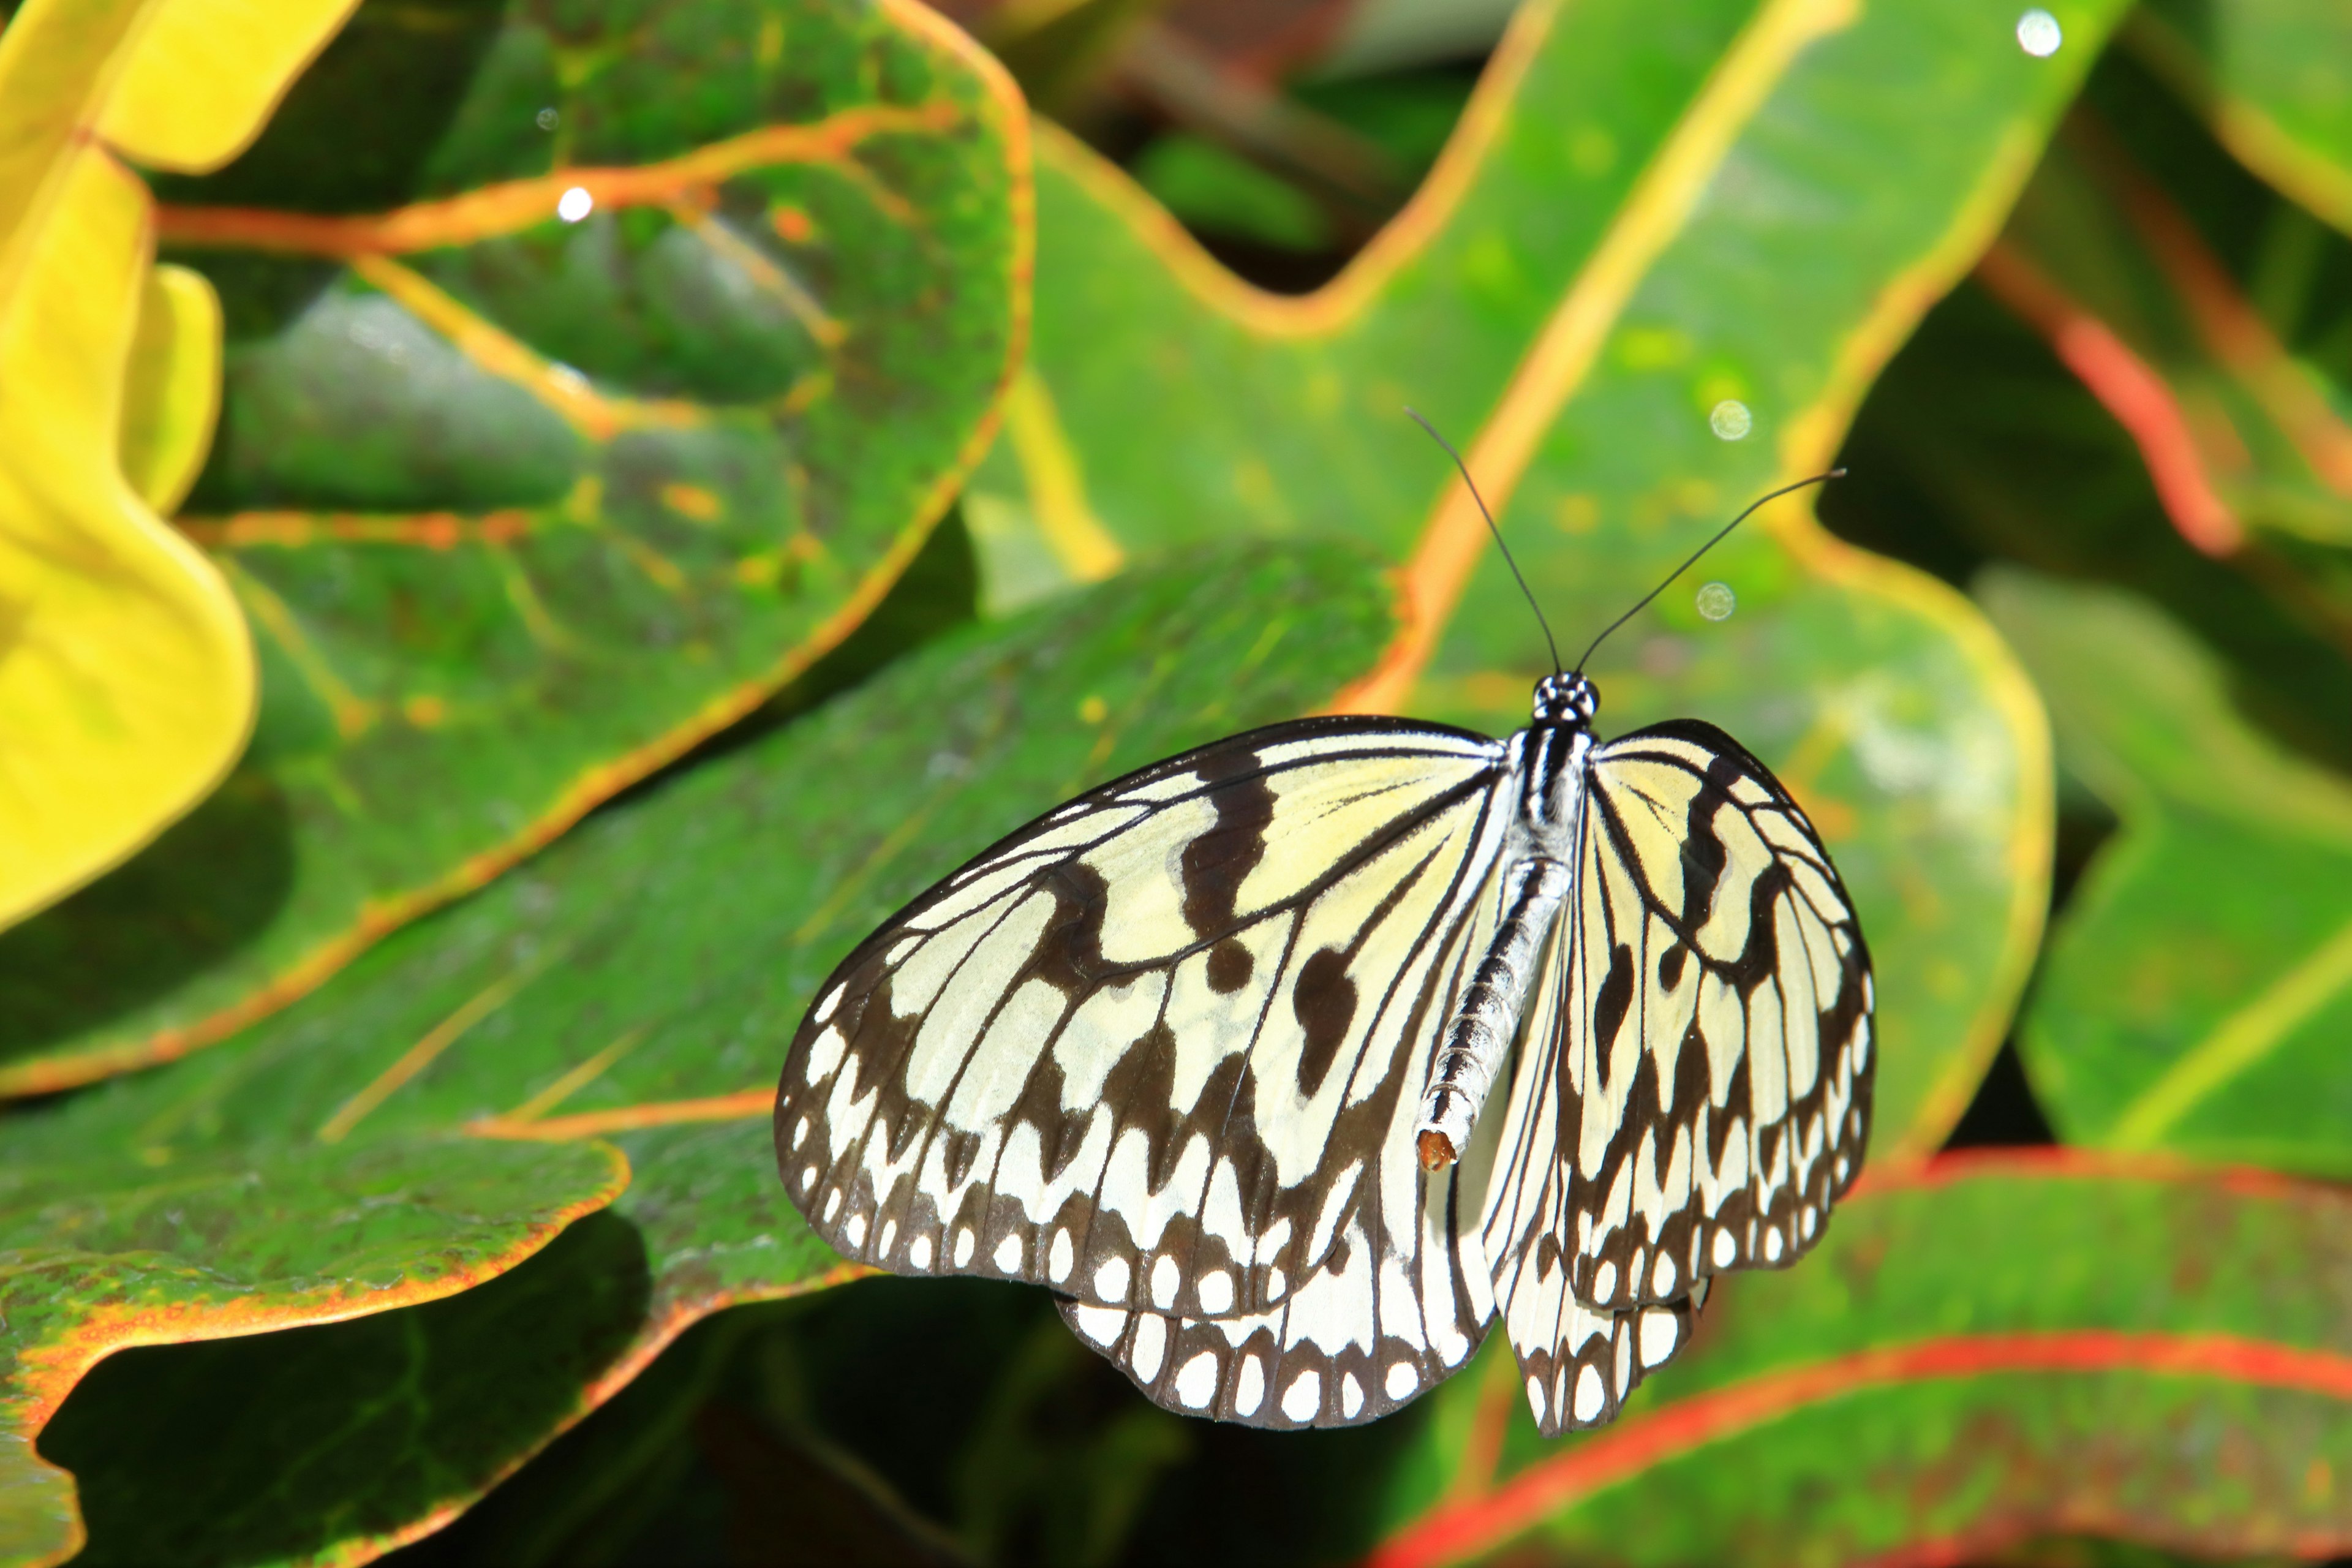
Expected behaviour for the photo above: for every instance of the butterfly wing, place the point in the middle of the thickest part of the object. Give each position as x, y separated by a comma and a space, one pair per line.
1400, 1301
1145, 1049
1718, 1074
1578, 1361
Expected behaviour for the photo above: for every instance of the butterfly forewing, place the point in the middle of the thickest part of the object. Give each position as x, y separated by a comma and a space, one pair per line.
1400, 1299
1719, 1095
1148, 1049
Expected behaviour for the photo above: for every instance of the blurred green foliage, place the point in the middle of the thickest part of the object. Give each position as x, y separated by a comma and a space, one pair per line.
2102, 475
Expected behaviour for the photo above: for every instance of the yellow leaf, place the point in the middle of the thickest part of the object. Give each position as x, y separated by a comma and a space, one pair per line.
204, 74
174, 395
126, 673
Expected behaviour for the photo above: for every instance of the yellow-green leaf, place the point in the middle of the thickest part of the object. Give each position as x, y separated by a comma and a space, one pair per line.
126, 674
174, 395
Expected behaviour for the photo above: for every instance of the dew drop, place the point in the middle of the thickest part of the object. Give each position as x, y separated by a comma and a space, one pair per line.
547, 119
1731, 419
1716, 601
2038, 33
574, 205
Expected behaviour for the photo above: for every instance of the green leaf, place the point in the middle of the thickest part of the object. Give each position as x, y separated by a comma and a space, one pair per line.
1966, 1362
1641, 221
290, 1445
522, 508
2197, 991
641, 980
132, 1245
2223, 360
2276, 77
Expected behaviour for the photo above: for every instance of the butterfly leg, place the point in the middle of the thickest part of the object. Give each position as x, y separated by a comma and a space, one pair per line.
1482, 1031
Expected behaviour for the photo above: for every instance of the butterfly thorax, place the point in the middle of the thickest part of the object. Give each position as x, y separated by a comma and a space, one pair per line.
1549, 762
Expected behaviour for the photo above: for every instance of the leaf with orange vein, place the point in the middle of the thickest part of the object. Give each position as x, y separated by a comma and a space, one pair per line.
636, 984
1638, 236
1968, 1363
520, 508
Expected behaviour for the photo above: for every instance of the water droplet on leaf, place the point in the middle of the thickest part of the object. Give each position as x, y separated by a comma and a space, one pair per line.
1716, 601
2038, 33
1731, 419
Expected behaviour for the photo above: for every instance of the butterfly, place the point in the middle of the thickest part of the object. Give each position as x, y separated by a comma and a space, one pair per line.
1296, 1062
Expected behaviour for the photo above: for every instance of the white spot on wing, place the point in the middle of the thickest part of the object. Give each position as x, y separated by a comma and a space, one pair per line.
1008, 1255
1249, 1387
1100, 1324
1059, 1264
1660, 1335
1149, 1347
1110, 1279
1590, 1396
824, 1053
919, 1252
1165, 1278
1215, 1290
1196, 1381
966, 1243
1402, 1379
1304, 1397
1351, 1396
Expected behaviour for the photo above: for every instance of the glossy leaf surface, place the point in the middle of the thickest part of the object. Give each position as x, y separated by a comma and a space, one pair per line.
2197, 993
134, 1244
639, 983
1648, 228
1957, 1368
521, 507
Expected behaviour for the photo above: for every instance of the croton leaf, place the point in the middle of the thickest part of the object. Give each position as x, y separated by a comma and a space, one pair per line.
2143, 386
126, 675
639, 983
2197, 995
2238, 431
134, 1245
1651, 277
590, 371
2275, 77
2006, 1346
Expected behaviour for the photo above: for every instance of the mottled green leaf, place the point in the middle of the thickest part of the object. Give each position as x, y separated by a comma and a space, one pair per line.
289, 1445
640, 981
2276, 78
2147, 359
2197, 993
522, 507
131, 1243
1651, 277
2196, 307
2012, 1347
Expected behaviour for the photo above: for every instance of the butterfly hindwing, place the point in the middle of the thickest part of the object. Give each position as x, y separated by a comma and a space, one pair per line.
1720, 1066
1578, 1361
1146, 1051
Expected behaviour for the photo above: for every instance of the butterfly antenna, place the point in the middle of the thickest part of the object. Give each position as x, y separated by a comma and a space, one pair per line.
1498, 533
1720, 535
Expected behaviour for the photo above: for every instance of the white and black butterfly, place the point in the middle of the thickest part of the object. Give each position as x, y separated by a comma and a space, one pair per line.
1208, 1052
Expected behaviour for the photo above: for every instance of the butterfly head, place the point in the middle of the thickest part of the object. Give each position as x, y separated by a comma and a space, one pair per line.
1570, 699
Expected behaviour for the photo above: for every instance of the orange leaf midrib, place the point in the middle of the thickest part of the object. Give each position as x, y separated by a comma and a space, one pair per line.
513, 206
